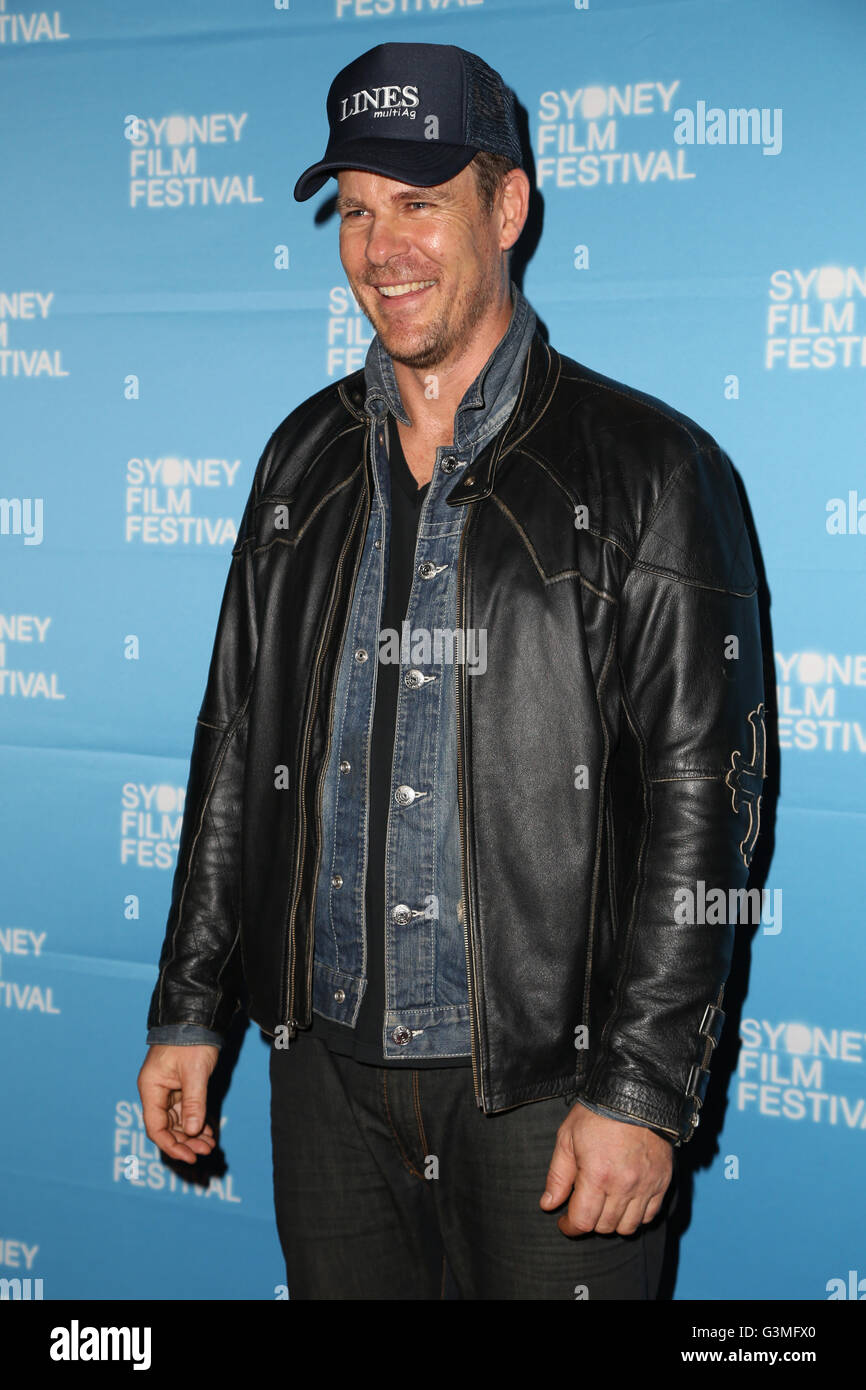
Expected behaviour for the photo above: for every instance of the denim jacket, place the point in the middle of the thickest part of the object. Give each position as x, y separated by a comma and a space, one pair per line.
426, 991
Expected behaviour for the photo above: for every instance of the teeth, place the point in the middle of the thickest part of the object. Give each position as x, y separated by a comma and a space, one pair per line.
391, 291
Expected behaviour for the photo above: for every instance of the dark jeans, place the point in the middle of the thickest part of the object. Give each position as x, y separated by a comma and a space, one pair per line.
392, 1184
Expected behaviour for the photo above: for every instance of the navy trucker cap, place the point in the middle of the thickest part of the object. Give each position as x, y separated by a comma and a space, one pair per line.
416, 112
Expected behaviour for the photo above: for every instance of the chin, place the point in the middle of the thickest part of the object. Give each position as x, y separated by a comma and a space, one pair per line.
421, 360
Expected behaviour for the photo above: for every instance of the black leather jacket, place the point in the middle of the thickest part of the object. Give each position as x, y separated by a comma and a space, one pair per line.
622, 639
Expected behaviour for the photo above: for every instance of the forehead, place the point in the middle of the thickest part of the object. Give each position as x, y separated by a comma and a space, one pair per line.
358, 187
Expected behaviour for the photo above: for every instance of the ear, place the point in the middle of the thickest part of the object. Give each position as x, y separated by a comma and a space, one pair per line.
513, 202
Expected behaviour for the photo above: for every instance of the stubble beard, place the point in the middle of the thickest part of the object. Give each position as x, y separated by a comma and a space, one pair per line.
441, 337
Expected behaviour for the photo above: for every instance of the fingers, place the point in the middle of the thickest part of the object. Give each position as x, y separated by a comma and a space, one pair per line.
179, 1130
612, 1198
162, 1123
199, 1144
175, 1144
586, 1208
620, 1217
591, 1209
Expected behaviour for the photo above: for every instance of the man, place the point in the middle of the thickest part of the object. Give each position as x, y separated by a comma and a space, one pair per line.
447, 880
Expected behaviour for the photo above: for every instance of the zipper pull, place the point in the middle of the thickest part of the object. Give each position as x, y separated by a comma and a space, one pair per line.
284, 1034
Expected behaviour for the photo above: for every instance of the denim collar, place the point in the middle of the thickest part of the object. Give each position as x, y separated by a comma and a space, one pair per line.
495, 386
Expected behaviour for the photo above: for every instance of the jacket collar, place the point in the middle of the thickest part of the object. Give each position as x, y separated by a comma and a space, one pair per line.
540, 377
498, 380
541, 369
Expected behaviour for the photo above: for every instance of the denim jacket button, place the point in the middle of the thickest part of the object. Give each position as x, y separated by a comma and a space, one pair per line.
336, 880
401, 914
404, 796
360, 656
401, 1035
426, 569
345, 765
449, 464
413, 679
340, 996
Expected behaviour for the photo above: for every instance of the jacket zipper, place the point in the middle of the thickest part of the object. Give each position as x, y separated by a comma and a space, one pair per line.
474, 1026
293, 1022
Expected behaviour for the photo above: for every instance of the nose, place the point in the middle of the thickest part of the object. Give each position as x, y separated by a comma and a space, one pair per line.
385, 240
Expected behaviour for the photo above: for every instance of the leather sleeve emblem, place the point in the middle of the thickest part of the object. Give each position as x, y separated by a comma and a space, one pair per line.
745, 780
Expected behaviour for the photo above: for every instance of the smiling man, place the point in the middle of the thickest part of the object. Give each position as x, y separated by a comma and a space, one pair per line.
430, 275
445, 890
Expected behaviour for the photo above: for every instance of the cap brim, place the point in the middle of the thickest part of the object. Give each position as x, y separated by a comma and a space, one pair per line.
408, 161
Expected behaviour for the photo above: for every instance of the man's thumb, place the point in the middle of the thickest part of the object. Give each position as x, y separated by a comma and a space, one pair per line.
560, 1177
192, 1105
192, 1118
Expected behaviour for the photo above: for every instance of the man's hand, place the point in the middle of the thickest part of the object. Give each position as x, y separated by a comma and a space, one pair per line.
173, 1089
619, 1172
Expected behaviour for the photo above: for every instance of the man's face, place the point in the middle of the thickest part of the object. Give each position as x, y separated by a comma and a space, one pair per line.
441, 240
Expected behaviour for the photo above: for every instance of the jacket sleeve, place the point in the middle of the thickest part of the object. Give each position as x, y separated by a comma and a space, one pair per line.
200, 975
691, 680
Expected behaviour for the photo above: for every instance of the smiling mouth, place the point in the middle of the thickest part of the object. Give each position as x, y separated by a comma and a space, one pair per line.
410, 287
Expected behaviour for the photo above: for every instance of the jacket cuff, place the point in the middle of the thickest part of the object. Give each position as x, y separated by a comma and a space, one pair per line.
624, 1119
183, 1035
674, 1112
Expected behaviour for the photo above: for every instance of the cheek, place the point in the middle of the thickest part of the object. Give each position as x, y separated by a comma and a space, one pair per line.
455, 248
429, 246
351, 252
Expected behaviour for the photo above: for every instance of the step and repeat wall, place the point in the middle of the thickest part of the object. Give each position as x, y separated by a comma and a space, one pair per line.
699, 214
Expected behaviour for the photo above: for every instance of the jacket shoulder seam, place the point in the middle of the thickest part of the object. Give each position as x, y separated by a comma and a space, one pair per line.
676, 578
560, 575
665, 412
574, 498
292, 540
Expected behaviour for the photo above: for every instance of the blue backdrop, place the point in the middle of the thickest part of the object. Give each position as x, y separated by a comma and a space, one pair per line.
163, 304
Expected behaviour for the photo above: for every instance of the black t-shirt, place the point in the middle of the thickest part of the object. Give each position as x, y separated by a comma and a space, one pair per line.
364, 1041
